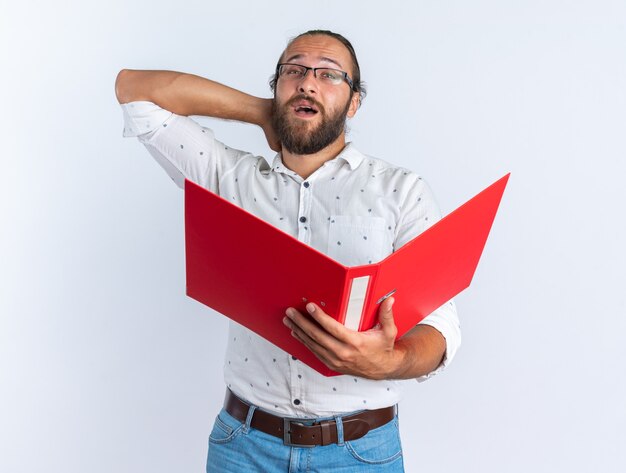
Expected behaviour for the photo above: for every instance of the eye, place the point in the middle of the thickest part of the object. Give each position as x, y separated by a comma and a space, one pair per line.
293, 71
330, 75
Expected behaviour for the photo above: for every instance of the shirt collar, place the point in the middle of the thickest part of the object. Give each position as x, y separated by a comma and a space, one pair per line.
349, 154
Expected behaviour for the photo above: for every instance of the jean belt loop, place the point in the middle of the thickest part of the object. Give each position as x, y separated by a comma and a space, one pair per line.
339, 423
246, 427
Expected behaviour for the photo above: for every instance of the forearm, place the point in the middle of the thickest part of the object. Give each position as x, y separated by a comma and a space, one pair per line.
419, 352
188, 94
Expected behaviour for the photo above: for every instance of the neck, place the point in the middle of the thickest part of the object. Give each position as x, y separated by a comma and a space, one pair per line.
306, 164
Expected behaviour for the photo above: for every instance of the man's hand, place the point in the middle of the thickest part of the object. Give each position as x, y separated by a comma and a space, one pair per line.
266, 125
370, 354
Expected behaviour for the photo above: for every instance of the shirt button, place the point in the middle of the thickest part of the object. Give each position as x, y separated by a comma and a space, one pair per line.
296, 402
303, 219
306, 184
293, 358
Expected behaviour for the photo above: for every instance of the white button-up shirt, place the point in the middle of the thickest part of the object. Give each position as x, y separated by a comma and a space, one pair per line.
369, 205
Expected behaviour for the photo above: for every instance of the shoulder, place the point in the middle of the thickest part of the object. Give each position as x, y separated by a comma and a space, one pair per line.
390, 175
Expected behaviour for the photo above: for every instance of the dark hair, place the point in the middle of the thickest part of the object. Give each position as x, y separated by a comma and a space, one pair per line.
357, 85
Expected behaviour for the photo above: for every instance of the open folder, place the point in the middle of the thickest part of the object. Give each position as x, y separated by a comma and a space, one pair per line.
251, 271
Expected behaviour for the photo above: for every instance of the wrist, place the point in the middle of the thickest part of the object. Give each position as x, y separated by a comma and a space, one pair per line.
397, 361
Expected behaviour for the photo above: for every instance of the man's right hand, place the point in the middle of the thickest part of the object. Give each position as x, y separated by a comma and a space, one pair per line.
266, 125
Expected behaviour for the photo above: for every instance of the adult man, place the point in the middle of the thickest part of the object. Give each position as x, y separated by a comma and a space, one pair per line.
323, 191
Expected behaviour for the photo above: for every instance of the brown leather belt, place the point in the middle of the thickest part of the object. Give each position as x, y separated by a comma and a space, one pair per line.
294, 432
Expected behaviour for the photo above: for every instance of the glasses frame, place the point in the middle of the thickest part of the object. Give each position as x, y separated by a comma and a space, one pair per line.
345, 75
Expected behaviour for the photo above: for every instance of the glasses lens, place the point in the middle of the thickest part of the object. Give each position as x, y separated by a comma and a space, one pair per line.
324, 74
332, 76
291, 71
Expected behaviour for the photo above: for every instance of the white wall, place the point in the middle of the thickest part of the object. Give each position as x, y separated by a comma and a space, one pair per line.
106, 365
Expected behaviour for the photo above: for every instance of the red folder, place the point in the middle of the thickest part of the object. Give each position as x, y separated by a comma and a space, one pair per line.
233, 267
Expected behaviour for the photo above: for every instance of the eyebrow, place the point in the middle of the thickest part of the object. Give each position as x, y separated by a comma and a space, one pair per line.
323, 58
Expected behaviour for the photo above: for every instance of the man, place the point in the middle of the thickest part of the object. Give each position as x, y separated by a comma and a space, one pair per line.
324, 192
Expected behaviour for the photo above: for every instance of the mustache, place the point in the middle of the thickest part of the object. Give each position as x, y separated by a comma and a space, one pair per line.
308, 98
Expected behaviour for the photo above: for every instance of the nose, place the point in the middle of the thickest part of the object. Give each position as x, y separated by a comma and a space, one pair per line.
308, 84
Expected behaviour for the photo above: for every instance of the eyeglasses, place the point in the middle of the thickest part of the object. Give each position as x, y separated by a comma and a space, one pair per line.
296, 72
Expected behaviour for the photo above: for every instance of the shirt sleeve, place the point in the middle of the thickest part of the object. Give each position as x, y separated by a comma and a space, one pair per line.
183, 148
419, 212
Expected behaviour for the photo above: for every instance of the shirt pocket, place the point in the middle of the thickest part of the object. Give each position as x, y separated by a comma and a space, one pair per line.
357, 240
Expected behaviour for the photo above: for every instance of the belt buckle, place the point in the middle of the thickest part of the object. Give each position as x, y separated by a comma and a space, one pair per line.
287, 432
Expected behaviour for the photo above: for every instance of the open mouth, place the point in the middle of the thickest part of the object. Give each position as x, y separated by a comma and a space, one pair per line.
305, 109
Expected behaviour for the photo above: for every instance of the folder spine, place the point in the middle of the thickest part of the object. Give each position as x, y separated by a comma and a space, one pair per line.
358, 295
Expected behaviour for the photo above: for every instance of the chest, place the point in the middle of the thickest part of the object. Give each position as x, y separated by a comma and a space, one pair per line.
349, 218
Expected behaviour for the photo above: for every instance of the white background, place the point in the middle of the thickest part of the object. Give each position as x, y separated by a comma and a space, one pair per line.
106, 365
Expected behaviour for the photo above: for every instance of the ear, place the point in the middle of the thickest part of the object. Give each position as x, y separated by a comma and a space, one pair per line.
355, 103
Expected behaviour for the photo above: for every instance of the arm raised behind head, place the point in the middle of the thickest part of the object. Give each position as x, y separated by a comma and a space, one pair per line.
188, 94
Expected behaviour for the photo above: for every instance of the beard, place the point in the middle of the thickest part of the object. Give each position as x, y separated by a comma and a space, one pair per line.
294, 134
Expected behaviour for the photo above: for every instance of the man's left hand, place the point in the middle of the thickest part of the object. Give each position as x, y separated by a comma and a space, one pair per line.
369, 354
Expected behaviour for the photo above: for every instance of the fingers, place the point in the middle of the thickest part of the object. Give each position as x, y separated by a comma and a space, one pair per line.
301, 324
317, 349
328, 323
385, 318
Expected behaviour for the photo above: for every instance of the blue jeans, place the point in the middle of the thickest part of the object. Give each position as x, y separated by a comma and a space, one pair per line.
235, 447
